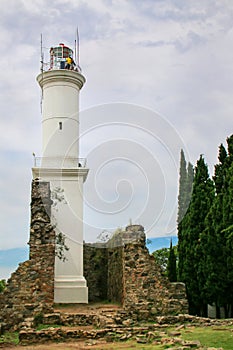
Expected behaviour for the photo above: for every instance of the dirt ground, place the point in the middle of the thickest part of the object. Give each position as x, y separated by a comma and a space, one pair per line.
80, 345
87, 308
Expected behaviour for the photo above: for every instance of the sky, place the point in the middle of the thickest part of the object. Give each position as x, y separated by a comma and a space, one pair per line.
159, 77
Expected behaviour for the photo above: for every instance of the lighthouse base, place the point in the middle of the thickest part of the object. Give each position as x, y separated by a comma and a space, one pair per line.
70, 290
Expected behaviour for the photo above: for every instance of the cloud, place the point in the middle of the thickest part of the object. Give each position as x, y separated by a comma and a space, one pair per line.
169, 56
133, 155
192, 41
15, 199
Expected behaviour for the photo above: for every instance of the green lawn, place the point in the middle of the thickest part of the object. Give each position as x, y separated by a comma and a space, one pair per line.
218, 337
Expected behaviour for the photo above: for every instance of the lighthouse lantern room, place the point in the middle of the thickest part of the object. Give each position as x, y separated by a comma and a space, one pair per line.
58, 56
61, 82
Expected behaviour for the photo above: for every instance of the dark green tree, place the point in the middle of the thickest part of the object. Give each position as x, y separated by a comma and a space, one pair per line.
171, 266
217, 237
189, 185
182, 188
227, 189
220, 169
226, 233
193, 224
205, 235
229, 254
184, 197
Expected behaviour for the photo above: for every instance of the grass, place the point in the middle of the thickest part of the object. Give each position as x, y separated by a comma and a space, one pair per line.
218, 337
211, 336
147, 347
41, 326
144, 347
10, 337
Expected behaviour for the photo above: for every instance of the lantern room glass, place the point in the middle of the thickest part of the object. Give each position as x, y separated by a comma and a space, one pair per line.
58, 56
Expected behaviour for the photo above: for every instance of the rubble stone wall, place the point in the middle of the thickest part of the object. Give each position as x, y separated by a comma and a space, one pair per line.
30, 289
133, 278
115, 285
120, 270
96, 271
148, 293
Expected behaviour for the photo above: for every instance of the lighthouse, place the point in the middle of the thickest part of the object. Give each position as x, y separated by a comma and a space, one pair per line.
60, 165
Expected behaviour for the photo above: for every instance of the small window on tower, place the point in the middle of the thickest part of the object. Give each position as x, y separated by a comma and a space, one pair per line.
60, 125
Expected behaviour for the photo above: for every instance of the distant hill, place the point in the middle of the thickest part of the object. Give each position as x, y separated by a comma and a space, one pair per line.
10, 258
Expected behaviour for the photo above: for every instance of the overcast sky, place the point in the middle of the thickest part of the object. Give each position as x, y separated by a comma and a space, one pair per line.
159, 77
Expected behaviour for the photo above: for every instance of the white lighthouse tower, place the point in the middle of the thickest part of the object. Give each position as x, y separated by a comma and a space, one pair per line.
61, 166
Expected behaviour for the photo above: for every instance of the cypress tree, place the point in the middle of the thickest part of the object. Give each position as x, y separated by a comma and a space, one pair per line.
205, 234
189, 185
216, 238
219, 173
171, 266
192, 227
181, 210
182, 188
184, 197
229, 254
226, 234
227, 186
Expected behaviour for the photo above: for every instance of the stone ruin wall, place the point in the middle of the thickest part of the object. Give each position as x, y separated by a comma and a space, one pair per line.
103, 272
131, 277
30, 289
95, 266
146, 292
116, 273
121, 270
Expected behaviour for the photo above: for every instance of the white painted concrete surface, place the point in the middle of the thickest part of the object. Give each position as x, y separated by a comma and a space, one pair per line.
60, 120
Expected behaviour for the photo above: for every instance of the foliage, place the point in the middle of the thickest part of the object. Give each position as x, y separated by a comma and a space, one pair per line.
162, 256
184, 198
193, 225
103, 236
38, 318
60, 246
2, 285
171, 266
205, 234
112, 239
216, 239
185, 187
57, 196
41, 326
9, 338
